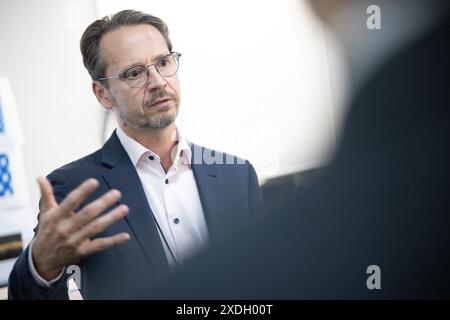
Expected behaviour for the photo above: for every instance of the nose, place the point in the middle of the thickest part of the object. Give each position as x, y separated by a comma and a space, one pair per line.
155, 81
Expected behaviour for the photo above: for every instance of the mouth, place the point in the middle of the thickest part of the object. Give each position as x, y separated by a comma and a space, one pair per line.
160, 102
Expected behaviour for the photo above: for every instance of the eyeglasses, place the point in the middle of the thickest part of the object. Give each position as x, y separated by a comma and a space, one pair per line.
138, 75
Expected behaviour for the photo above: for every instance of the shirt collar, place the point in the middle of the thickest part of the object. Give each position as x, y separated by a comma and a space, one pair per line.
183, 153
135, 150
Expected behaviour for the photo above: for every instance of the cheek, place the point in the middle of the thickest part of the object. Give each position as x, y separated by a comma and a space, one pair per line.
174, 85
177, 93
131, 98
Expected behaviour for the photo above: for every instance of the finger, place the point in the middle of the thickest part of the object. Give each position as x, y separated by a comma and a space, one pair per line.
78, 195
105, 243
100, 224
47, 196
93, 209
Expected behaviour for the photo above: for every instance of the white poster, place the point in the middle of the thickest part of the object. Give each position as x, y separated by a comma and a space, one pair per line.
10, 129
13, 189
16, 217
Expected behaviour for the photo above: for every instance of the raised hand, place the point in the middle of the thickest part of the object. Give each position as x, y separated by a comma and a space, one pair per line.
63, 237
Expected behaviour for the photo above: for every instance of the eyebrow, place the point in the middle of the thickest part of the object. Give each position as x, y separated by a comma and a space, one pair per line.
135, 64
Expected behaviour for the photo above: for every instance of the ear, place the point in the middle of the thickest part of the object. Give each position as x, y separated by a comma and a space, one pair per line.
103, 95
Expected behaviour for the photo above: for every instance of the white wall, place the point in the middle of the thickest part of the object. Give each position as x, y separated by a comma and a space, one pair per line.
40, 56
283, 119
280, 111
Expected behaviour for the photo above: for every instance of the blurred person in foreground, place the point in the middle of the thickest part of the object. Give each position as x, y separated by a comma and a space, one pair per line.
376, 225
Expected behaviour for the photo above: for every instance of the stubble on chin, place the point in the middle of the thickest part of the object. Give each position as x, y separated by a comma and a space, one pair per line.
163, 118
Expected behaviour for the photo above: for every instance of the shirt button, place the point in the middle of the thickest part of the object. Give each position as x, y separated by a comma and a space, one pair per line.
176, 220
167, 181
151, 157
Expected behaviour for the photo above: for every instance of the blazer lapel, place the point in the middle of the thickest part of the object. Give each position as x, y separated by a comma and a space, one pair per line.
210, 188
122, 175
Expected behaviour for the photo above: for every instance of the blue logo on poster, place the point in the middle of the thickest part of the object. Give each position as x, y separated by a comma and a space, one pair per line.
2, 126
5, 176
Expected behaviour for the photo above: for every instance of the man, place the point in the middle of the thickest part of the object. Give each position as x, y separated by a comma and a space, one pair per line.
376, 224
175, 196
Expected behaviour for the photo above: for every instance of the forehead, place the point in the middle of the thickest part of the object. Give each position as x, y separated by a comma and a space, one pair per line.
132, 44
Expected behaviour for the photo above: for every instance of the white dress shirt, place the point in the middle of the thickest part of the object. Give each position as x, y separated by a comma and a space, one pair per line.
173, 197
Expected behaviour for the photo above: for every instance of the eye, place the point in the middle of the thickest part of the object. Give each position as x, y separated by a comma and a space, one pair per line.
134, 73
164, 62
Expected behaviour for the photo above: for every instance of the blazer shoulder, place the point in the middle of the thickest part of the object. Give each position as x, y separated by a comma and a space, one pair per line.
80, 168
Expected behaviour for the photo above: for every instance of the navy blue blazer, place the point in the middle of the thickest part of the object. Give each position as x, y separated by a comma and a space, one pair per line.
229, 194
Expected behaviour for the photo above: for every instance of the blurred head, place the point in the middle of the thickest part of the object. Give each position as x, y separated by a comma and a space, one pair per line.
111, 48
327, 9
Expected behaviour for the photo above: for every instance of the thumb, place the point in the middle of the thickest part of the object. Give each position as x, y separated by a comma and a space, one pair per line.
47, 197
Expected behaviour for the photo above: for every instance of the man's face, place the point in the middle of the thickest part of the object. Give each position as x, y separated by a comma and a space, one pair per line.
138, 108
